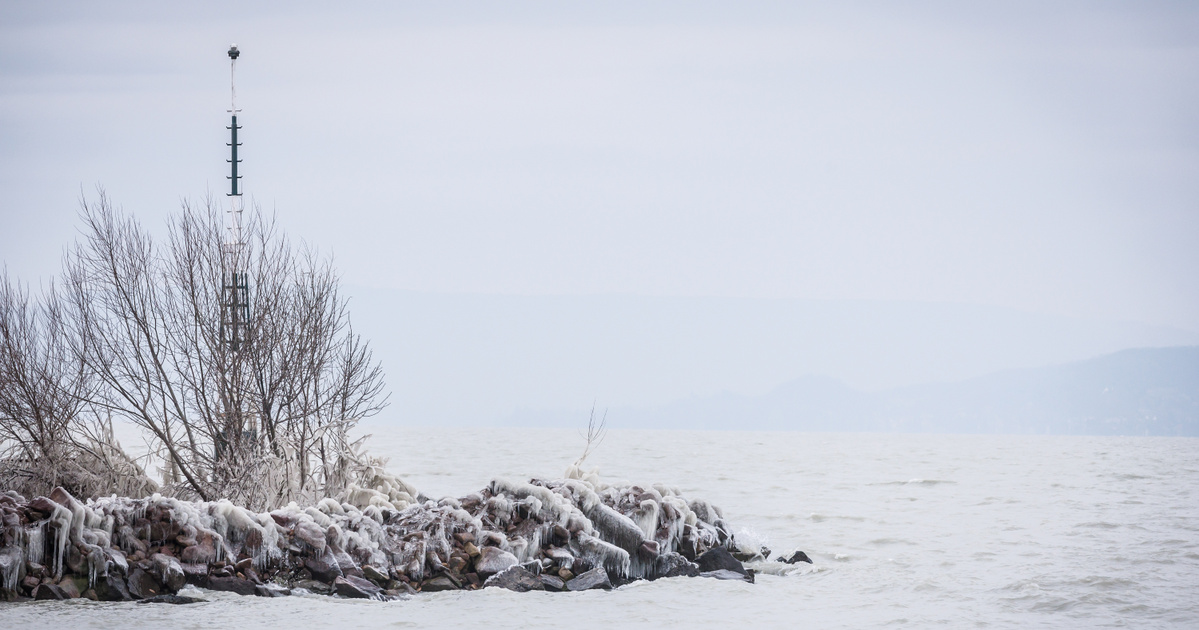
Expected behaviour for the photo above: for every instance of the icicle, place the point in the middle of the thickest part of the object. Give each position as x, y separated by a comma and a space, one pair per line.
12, 568
35, 543
61, 519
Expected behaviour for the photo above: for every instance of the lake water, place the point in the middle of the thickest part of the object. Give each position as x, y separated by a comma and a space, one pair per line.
905, 530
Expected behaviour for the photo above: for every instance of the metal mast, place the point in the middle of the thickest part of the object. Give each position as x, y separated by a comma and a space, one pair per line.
235, 303
238, 430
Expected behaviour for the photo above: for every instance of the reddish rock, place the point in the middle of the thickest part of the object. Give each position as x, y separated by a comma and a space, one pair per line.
356, 587
492, 560
61, 496
43, 505
69, 587
516, 578
595, 578
440, 583
323, 569
29, 582
48, 590
203, 552
143, 585
232, 585
111, 589
311, 535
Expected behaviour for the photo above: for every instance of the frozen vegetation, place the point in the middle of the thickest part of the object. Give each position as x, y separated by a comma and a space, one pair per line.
382, 540
238, 364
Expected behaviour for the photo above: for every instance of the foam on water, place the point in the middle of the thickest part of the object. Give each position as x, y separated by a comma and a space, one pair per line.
916, 530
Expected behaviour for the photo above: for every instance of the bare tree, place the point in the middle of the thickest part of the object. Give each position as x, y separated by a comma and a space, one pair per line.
37, 387
45, 439
257, 408
117, 311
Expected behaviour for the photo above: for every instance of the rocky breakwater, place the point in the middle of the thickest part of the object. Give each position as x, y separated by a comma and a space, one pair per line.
562, 535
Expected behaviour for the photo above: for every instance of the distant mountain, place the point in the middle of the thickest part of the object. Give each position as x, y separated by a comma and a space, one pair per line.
1147, 391
478, 359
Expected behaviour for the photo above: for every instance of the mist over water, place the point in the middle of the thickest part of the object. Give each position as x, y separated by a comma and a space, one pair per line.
986, 531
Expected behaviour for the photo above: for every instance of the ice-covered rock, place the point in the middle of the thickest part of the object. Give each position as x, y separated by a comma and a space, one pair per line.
516, 578
719, 559
356, 587
573, 533
493, 560
595, 578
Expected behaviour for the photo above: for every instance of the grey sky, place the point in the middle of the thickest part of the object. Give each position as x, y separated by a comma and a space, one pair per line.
1038, 158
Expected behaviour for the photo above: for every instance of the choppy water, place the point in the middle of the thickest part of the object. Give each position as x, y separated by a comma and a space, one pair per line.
915, 530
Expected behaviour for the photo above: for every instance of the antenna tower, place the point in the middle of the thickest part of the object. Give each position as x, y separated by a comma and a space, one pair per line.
235, 293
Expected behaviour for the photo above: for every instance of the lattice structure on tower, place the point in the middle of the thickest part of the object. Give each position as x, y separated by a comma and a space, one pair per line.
240, 427
235, 290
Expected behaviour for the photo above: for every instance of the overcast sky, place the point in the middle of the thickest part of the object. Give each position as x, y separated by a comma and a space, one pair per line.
1042, 158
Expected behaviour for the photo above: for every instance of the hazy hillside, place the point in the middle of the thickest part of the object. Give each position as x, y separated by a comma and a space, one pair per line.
1148, 391
478, 359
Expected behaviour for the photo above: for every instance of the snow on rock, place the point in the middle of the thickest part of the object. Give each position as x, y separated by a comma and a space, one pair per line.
122, 548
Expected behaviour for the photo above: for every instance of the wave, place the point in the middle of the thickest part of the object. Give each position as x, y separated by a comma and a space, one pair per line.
914, 482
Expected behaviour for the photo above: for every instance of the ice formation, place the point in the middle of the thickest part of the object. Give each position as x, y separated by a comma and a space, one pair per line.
384, 531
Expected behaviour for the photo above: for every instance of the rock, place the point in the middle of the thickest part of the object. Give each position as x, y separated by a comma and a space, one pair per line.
673, 564
561, 535
60, 496
440, 583
516, 578
271, 590
111, 588
48, 590
324, 568
565, 574
648, 549
399, 588
28, 583
143, 585
375, 575
253, 539
282, 520
457, 563
726, 574
552, 582
798, 556
69, 587
492, 560
172, 599
356, 587
561, 557
169, 571
195, 574
314, 586
116, 560
311, 535
470, 549
347, 565
203, 552
43, 505
595, 578
231, 585
130, 539
717, 559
